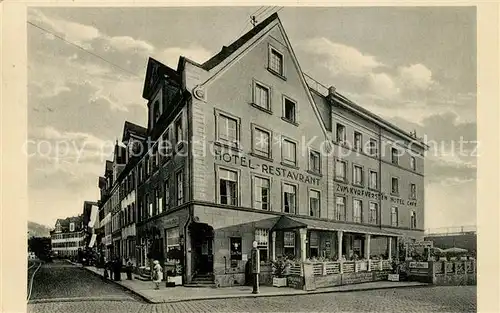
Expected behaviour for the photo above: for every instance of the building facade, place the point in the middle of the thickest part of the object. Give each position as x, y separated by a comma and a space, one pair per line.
68, 237
241, 148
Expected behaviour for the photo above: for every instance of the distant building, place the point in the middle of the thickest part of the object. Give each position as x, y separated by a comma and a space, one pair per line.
68, 236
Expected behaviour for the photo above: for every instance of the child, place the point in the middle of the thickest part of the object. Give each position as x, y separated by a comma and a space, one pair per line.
158, 274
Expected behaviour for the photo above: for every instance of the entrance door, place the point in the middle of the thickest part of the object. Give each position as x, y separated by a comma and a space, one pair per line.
202, 243
206, 256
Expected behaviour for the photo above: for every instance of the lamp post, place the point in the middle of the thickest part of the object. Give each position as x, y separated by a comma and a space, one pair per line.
255, 257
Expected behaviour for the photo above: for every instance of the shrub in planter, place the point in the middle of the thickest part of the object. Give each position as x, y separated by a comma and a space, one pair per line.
280, 268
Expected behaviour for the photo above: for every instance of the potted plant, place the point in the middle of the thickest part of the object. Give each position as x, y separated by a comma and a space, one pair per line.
280, 268
174, 274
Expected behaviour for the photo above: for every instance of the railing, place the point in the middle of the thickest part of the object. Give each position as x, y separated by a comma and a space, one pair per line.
295, 269
386, 265
448, 231
375, 265
317, 86
332, 268
348, 267
318, 269
361, 266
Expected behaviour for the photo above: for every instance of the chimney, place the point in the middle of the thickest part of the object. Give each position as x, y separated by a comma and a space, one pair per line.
331, 91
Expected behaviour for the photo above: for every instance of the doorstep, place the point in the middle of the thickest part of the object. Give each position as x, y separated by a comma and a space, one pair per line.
145, 289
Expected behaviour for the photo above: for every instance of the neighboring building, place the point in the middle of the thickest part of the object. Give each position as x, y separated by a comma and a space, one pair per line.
90, 222
464, 237
105, 186
68, 237
244, 150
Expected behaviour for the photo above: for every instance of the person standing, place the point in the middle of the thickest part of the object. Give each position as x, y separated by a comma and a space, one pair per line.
157, 274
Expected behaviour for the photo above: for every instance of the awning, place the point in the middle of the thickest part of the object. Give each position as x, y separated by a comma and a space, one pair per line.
92, 240
93, 216
293, 222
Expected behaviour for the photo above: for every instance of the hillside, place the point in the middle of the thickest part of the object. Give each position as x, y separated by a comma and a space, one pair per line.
38, 230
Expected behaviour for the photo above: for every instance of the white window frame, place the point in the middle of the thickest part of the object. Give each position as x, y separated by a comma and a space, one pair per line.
370, 181
394, 157
179, 190
254, 95
254, 141
355, 218
311, 165
284, 99
373, 150
344, 134
296, 188
413, 163
269, 60
238, 187
413, 194
254, 192
71, 226
218, 116
344, 208
376, 206
318, 193
413, 219
358, 148
343, 179
397, 185
362, 181
262, 233
172, 233
289, 143
394, 212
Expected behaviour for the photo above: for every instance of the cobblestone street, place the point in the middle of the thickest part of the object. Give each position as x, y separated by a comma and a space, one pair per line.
70, 289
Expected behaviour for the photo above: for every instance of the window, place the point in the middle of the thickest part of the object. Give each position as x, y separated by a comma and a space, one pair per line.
340, 208
413, 220
227, 129
276, 62
288, 152
314, 162
358, 141
313, 244
413, 163
159, 200
357, 174
236, 251
166, 190
261, 193
289, 198
413, 191
262, 96
228, 187
180, 188
289, 110
167, 146
357, 211
340, 170
394, 156
289, 243
314, 203
71, 226
179, 133
150, 206
261, 142
394, 216
395, 185
172, 240
341, 133
372, 147
156, 110
373, 184
147, 164
262, 238
373, 213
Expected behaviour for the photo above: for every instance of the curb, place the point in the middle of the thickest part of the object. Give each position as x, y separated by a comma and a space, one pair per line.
143, 297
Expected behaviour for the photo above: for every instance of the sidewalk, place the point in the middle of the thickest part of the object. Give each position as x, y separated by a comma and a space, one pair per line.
146, 290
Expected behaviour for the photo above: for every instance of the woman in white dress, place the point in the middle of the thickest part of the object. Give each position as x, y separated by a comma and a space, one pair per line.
157, 274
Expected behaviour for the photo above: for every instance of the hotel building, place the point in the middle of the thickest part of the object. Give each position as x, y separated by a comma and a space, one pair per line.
244, 149
68, 236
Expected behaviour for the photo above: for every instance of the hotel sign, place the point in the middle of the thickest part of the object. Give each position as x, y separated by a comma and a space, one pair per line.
250, 163
377, 195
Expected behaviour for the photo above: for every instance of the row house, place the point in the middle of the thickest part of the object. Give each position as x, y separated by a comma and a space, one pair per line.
245, 148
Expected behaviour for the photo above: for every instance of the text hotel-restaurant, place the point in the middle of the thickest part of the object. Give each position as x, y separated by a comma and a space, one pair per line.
256, 151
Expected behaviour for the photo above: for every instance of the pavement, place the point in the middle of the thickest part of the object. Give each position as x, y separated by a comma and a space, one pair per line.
64, 288
145, 289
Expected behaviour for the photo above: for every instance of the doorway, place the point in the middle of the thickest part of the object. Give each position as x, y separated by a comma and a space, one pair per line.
202, 237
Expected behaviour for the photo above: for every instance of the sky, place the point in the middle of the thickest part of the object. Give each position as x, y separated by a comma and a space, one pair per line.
415, 67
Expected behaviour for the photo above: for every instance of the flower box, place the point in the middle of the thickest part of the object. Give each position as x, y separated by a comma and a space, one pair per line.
393, 277
279, 282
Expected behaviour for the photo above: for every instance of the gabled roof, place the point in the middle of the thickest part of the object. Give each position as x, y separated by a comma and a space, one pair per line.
65, 222
155, 70
227, 51
131, 128
120, 154
109, 166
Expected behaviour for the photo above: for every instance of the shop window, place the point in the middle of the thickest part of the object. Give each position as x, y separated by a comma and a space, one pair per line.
289, 198
262, 238
313, 244
228, 187
172, 240
261, 192
236, 251
289, 243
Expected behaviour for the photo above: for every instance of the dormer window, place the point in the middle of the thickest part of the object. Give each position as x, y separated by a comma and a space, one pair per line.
71, 226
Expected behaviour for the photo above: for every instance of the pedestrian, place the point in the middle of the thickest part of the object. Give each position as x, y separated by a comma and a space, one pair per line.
157, 274
129, 266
